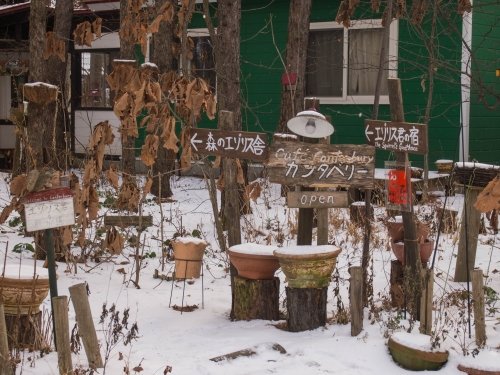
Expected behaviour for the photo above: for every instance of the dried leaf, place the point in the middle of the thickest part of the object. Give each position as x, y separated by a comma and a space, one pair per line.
210, 106
240, 176
186, 155
54, 46
147, 187
96, 27
93, 203
149, 150
168, 135
112, 177
18, 185
167, 81
67, 235
128, 197
83, 34
114, 241
489, 198
253, 190
195, 95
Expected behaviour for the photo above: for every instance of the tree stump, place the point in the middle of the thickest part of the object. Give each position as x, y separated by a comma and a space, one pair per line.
256, 299
25, 331
357, 212
306, 308
397, 280
449, 218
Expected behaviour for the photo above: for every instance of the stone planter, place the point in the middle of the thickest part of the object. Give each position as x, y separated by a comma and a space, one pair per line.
487, 362
412, 351
23, 292
308, 266
188, 253
425, 249
254, 261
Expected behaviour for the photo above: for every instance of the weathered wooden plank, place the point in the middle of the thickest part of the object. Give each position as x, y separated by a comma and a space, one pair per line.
229, 143
129, 221
356, 299
300, 163
478, 298
397, 136
317, 199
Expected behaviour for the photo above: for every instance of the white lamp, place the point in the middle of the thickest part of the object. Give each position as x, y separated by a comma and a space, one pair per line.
310, 124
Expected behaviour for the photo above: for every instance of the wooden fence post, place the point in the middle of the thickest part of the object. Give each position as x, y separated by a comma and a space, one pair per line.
5, 365
81, 304
426, 302
356, 299
60, 312
478, 298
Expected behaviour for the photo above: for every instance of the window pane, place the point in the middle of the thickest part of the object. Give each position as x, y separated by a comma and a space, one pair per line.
203, 64
364, 56
324, 63
95, 91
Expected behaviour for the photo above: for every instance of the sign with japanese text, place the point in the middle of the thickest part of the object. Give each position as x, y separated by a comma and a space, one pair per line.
398, 186
317, 199
232, 144
397, 136
47, 209
321, 165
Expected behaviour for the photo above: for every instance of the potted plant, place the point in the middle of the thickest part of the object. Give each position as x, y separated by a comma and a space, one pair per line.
413, 351
23, 289
308, 266
188, 254
254, 261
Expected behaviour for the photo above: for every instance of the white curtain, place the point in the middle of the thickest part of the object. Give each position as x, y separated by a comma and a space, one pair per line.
364, 55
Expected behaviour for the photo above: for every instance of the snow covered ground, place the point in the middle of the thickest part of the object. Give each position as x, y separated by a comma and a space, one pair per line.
184, 343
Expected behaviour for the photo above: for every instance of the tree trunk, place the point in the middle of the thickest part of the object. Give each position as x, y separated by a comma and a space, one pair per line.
128, 143
292, 101
56, 75
256, 299
306, 308
163, 57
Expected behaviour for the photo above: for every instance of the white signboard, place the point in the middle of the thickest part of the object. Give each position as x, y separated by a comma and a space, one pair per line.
49, 209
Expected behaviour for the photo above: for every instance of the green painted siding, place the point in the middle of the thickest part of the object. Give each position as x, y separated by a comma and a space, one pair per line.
485, 91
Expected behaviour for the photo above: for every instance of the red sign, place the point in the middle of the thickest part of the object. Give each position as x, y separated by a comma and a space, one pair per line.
48, 195
398, 188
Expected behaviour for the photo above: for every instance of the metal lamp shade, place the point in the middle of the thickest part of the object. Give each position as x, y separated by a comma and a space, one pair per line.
310, 124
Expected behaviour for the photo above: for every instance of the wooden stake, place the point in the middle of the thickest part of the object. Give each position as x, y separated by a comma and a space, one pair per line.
426, 302
356, 299
60, 311
469, 233
478, 298
5, 366
81, 304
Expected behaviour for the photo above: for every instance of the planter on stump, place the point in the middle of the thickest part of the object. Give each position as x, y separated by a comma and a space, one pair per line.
425, 248
256, 290
188, 253
308, 270
22, 291
412, 351
395, 228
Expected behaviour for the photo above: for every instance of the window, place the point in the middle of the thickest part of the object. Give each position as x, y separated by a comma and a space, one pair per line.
342, 64
94, 91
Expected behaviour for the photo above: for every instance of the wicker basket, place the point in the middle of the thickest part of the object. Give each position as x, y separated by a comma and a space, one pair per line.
475, 174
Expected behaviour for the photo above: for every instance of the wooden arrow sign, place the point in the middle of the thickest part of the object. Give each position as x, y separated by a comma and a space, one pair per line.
232, 144
397, 136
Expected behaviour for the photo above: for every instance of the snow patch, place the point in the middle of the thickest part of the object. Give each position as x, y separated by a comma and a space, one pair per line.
306, 250
25, 272
253, 249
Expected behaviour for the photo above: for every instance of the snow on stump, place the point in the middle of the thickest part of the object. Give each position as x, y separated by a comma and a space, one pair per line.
256, 290
308, 270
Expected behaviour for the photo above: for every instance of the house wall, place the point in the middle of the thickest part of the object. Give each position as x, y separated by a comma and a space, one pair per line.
485, 91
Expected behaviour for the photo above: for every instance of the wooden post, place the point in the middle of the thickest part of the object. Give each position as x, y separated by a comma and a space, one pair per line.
60, 312
83, 314
256, 299
478, 298
5, 365
426, 302
306, 308
396, 281
469, 233
412, 256
356, 299
322, 214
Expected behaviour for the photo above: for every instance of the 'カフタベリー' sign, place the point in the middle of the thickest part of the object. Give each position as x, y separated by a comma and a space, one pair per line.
316, 165
397, 136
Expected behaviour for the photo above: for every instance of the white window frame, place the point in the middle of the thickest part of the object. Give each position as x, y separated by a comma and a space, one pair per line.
393, 59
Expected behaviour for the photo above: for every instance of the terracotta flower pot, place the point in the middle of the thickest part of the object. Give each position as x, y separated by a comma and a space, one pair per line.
413, 356
188, 253
308, 266
395, 228
425, 250
22, 293
254, 261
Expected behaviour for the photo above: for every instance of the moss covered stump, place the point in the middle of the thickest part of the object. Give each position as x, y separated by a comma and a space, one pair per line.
306, 308
256, 299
